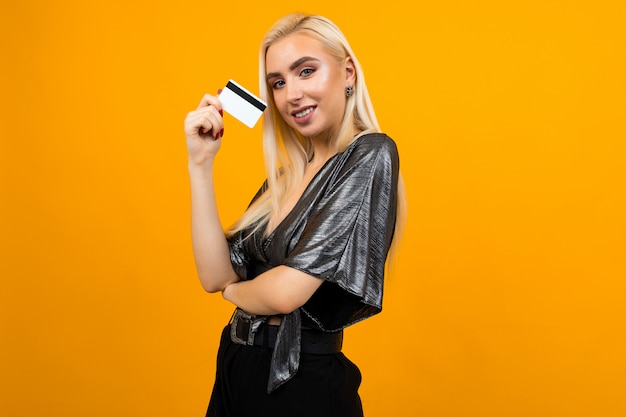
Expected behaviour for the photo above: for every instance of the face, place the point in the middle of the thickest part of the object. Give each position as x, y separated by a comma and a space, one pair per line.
308, 84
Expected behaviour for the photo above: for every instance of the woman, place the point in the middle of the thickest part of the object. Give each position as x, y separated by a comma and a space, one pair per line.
307, 258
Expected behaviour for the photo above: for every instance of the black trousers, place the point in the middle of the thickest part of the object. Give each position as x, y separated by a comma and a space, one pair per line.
324, 386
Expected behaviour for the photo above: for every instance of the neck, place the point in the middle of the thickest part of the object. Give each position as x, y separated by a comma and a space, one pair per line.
322, 152
324, 147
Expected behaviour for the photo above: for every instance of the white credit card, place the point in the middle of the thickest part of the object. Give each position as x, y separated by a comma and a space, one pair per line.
241, 104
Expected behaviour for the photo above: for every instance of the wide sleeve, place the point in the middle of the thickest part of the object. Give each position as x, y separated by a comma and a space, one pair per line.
348, 235
241, 246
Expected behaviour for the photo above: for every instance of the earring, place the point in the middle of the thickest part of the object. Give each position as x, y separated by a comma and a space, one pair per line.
349, 91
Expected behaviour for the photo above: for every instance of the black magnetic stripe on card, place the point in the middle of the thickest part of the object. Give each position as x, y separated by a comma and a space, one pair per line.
244, 95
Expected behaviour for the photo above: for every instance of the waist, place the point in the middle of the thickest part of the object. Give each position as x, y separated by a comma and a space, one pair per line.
244, 330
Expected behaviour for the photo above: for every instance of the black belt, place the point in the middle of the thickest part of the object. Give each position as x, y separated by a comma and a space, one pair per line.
312, 341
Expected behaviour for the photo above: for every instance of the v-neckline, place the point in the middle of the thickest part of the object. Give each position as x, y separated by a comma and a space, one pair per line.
267, 238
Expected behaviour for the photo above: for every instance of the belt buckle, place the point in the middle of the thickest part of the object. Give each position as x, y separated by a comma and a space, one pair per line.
254, 325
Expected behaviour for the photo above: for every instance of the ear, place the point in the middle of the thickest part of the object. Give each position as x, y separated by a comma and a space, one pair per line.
350, 71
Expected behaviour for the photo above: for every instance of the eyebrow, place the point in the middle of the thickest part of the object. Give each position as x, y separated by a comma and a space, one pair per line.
293, 66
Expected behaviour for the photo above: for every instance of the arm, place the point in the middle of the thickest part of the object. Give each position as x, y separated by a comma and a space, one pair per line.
210, 249
280, 290
204, 130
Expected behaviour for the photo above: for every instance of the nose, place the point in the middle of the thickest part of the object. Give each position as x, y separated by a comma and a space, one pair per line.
294, 92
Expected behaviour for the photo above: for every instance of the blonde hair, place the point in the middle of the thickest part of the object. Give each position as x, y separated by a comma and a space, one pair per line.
287, 152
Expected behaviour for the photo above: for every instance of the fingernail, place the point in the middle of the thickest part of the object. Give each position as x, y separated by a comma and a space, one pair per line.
221, 113
219, 91
221, 132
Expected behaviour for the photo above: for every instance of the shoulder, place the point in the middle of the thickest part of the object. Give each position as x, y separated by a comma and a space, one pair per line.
373, 155
374, 141
373, 147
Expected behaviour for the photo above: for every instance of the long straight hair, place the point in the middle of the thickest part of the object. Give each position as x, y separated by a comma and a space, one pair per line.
286, 151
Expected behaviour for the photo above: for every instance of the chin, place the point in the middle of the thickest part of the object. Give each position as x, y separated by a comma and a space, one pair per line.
309, 131
310, 135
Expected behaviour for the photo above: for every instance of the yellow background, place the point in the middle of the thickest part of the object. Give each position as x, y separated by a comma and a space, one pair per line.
509, 295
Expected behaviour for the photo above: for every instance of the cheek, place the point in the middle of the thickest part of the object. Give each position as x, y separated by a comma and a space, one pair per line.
279, 101
331, 85
324, 85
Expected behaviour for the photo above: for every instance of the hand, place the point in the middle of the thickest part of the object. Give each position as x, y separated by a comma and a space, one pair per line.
228, 289
225, 292
204, 128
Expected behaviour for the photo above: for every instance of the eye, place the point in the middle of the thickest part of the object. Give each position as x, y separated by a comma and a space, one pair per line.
306, 72
278, 84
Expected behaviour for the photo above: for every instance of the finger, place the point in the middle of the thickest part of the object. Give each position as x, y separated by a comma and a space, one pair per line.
205, 102
195, 117
194, 121
209, 100
219, 91
198, 124
217, 124
207, 122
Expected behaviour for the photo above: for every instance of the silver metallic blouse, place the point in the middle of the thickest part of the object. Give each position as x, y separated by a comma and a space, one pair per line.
339, 231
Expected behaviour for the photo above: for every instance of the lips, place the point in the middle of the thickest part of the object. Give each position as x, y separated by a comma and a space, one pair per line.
302, 113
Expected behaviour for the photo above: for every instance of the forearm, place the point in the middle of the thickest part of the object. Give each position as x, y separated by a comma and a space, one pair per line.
209, 244
280, 290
